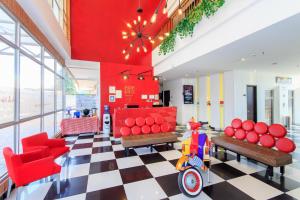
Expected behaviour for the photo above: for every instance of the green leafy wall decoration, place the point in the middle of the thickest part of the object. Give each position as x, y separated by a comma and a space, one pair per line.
186, 26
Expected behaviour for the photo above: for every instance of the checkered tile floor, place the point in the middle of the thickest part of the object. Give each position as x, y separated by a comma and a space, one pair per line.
98, 169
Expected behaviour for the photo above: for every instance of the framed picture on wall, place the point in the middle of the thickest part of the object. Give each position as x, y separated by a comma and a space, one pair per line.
188, 94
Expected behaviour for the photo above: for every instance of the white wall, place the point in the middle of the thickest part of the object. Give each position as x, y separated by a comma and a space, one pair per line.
297, 105
228, 97
215, 100
202, 99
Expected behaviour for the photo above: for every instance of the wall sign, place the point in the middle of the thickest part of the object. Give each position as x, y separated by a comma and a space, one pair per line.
188, 94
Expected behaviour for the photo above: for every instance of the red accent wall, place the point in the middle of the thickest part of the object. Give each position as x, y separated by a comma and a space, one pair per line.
110, 75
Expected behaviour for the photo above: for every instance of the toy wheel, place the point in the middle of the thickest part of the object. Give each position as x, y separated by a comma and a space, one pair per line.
190, 182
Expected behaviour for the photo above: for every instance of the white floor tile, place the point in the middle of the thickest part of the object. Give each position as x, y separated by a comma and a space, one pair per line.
245, 166
82, 141
254, 187
102, 144
76, 171
214, 161
80, 152
71, 138
171, 155
147, 190
102, 156
118, 147
213, 178
127, 162
290, 172
161, 168
144, 150
75, 197
295, 193
33, 191
104, 180
181, 196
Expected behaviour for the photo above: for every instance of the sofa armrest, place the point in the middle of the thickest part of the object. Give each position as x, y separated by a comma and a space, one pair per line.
35, 153
56, 142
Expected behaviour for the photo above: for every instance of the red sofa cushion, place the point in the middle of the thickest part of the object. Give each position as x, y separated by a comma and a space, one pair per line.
136, 130
267, 140
125, 131
261, 128
130, 122
240, 134
155, 128
285, 145
146, 129
140, 121
248, 125
277, 130
159, 120
236, 123
165, 127
229, 131
58, 151
252, 137
149, 121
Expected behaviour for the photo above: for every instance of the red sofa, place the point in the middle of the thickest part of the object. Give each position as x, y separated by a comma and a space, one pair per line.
134, 121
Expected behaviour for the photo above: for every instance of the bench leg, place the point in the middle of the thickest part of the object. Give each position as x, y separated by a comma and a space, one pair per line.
270, 171
126, 151
238, 157
225, 154
172, 144
282, 170
167, 146
216, 148
151, 148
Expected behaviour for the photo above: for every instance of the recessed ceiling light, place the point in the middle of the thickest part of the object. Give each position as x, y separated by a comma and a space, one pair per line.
274, 63
243, 59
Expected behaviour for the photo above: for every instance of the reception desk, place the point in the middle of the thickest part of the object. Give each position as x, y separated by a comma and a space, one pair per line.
79, 125
121, 114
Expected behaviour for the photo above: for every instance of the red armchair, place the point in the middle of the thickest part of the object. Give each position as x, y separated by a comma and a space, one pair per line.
29, 167
54, 147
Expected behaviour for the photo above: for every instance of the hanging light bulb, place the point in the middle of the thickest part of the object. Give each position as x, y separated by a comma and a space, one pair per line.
154, 17
165, 9
133, 33
149, 38
152, 41
129, 25
135, 22
131, 45
125, 37
160, 37
138, 49
167, 34
145, 49
139, 18
125, 76
127, 56
124, 33
144, 23
124, 51
179, 8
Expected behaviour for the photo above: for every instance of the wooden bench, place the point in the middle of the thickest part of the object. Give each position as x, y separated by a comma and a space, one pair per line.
269, 157
132, 141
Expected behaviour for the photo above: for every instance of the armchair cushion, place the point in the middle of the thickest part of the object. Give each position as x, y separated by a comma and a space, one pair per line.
56, 143
34, 155
58, 151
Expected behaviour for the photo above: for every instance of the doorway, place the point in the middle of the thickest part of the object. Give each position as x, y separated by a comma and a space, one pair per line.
251, 103
166, 98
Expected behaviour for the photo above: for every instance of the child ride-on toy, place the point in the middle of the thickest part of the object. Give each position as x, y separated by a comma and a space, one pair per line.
196, 151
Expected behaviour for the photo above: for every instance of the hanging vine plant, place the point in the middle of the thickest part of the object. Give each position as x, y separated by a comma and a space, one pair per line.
186, 26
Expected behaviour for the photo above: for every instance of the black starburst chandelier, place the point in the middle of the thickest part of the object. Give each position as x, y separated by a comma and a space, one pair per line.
138, 33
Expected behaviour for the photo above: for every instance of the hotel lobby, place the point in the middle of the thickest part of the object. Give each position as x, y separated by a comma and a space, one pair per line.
149, 99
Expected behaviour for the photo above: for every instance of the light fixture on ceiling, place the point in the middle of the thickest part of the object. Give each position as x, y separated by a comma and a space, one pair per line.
155, 78
125, 76
141, 77
165, 10
243, 59
138, 33
179, 8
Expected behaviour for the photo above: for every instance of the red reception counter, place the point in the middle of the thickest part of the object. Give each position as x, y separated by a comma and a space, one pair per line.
168, 114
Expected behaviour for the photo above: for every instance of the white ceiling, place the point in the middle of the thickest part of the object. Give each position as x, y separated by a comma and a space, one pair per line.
276, 49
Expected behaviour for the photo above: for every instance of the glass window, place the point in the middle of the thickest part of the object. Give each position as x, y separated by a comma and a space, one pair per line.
29, 128
59, 117
7, 140
7, 26
59, 69
48, 91
29, 45
59, 97
49, 60
56, 9
30, 87
7, 78
49, 125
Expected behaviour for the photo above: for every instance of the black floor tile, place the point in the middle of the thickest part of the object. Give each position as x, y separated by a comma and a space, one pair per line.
121, 154
101, 139
70, 142
164, 147
152, 158
169, 184
221, 156
102, 149
225, 191
114, 193
103, 166
77, 160
225, 171
173, 162
113, 142
134, 174
283, 197
82, 146
280, 182
85, 136
68, 187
